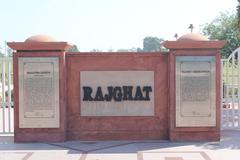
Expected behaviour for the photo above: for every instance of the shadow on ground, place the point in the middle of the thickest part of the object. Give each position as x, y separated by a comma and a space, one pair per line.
229, 140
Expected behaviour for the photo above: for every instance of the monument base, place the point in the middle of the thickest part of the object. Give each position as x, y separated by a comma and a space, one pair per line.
118, 135
39, 137
194, 136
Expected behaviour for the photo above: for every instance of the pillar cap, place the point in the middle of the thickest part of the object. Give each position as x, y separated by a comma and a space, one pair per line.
193, 37
40, 38
194, 41
40, 43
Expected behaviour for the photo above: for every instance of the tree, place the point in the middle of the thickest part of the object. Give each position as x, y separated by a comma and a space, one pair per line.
1, 54
152, 44
9, 52
95, 50
238, 13
5, 50
224, 27
74, 48
139, 50
133, 49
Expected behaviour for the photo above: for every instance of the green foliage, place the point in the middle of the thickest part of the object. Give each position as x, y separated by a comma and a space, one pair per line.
224, 27
9, 52
74, 48
232, 73
133, 49
152, 44
95, 50
1, 54
238, 14
6, 94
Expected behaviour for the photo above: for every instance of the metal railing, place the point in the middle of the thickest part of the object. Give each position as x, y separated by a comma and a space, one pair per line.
230, 91
6, 96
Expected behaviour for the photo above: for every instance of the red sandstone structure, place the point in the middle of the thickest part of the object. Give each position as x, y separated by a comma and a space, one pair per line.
42, 62
193, 45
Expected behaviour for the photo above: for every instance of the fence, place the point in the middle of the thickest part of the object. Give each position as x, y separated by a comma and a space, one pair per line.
230, 117
6, 96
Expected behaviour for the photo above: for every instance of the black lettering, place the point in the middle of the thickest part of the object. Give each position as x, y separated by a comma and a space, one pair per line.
109, 96
147, 89
87, 91
99, 95
117, 94
127, 92
138, 95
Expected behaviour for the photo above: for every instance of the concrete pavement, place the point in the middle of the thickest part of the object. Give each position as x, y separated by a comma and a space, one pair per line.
227, 149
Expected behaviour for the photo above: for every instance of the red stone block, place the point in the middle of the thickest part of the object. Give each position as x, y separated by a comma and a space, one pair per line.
73, 126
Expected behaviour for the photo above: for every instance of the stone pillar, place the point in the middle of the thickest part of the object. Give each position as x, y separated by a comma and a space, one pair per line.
39, 89
194, 79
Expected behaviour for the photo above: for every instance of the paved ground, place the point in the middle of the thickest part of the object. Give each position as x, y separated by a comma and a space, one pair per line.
227, 149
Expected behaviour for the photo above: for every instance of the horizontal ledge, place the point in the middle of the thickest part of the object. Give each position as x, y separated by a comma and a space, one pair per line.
117, 54
194, 44
32, 46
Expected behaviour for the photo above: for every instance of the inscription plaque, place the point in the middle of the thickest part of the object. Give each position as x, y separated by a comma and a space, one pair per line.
38, 92
117, 93
195, 91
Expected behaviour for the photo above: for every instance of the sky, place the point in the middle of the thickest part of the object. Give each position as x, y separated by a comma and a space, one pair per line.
105, 24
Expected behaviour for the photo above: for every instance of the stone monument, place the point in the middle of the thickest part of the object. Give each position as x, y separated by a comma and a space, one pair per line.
39, 84
194, 80
61, 95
